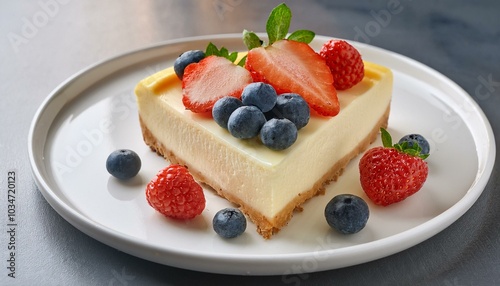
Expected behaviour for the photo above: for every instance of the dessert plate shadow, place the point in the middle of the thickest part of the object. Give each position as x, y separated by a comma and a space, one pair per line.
93, 113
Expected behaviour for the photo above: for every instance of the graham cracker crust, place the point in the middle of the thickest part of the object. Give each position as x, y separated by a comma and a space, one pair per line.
265, 227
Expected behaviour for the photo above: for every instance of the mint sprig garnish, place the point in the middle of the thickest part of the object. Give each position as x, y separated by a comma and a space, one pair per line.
414, 150
212, 50
251, 40
277, 27
304, 36
278, 23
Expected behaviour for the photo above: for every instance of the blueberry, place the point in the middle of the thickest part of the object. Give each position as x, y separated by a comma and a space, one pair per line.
347, 213
223, 108
123, 164
245, 122
416, 138
259, 94
292, 107
229, 222
185, 59
278, 134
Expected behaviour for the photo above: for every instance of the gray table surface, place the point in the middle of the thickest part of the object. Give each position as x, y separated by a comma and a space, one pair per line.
45, 42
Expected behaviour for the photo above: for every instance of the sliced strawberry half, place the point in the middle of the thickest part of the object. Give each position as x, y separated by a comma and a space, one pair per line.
291, 66
210, 79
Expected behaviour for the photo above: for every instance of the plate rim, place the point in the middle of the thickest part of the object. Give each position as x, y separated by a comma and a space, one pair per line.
108, 236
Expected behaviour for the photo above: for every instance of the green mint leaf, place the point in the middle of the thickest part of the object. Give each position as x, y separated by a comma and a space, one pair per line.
241, 63
224, 53
251, 40
278, 23
304, 36
386, 138
232, 56
211, 50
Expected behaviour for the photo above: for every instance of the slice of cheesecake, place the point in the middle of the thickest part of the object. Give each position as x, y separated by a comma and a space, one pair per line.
267, 185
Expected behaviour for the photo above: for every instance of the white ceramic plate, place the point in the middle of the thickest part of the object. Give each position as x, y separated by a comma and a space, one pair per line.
93, 113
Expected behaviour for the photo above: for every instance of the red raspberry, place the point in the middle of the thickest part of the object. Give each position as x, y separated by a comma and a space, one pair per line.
344, 62
175, 193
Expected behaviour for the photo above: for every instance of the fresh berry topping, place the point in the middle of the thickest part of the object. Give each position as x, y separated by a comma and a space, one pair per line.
292, 107
390, 174
278, 134
419, 140
123, 164
246, 122
229, 223
186, 58
347, 213
223, 108
345, 63
291, 66
209, 80
175, 193
259, 94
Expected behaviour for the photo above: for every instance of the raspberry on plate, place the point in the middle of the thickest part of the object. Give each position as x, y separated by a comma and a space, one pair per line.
175, 193
390, 174
344, 62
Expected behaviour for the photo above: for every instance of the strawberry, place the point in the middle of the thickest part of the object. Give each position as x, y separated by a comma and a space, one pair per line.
344, 62
209, 80
175, 194
292, 66
390, 174
289, 64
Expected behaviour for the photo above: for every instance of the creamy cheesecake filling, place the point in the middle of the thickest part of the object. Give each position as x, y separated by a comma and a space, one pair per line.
267, 184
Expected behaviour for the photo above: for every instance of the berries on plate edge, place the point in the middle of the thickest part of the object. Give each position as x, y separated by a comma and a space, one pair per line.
229, 223
174, 193
123, 164
392, 173
347, 213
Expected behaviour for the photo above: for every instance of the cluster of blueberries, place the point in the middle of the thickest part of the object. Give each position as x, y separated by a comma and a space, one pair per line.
261, 112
